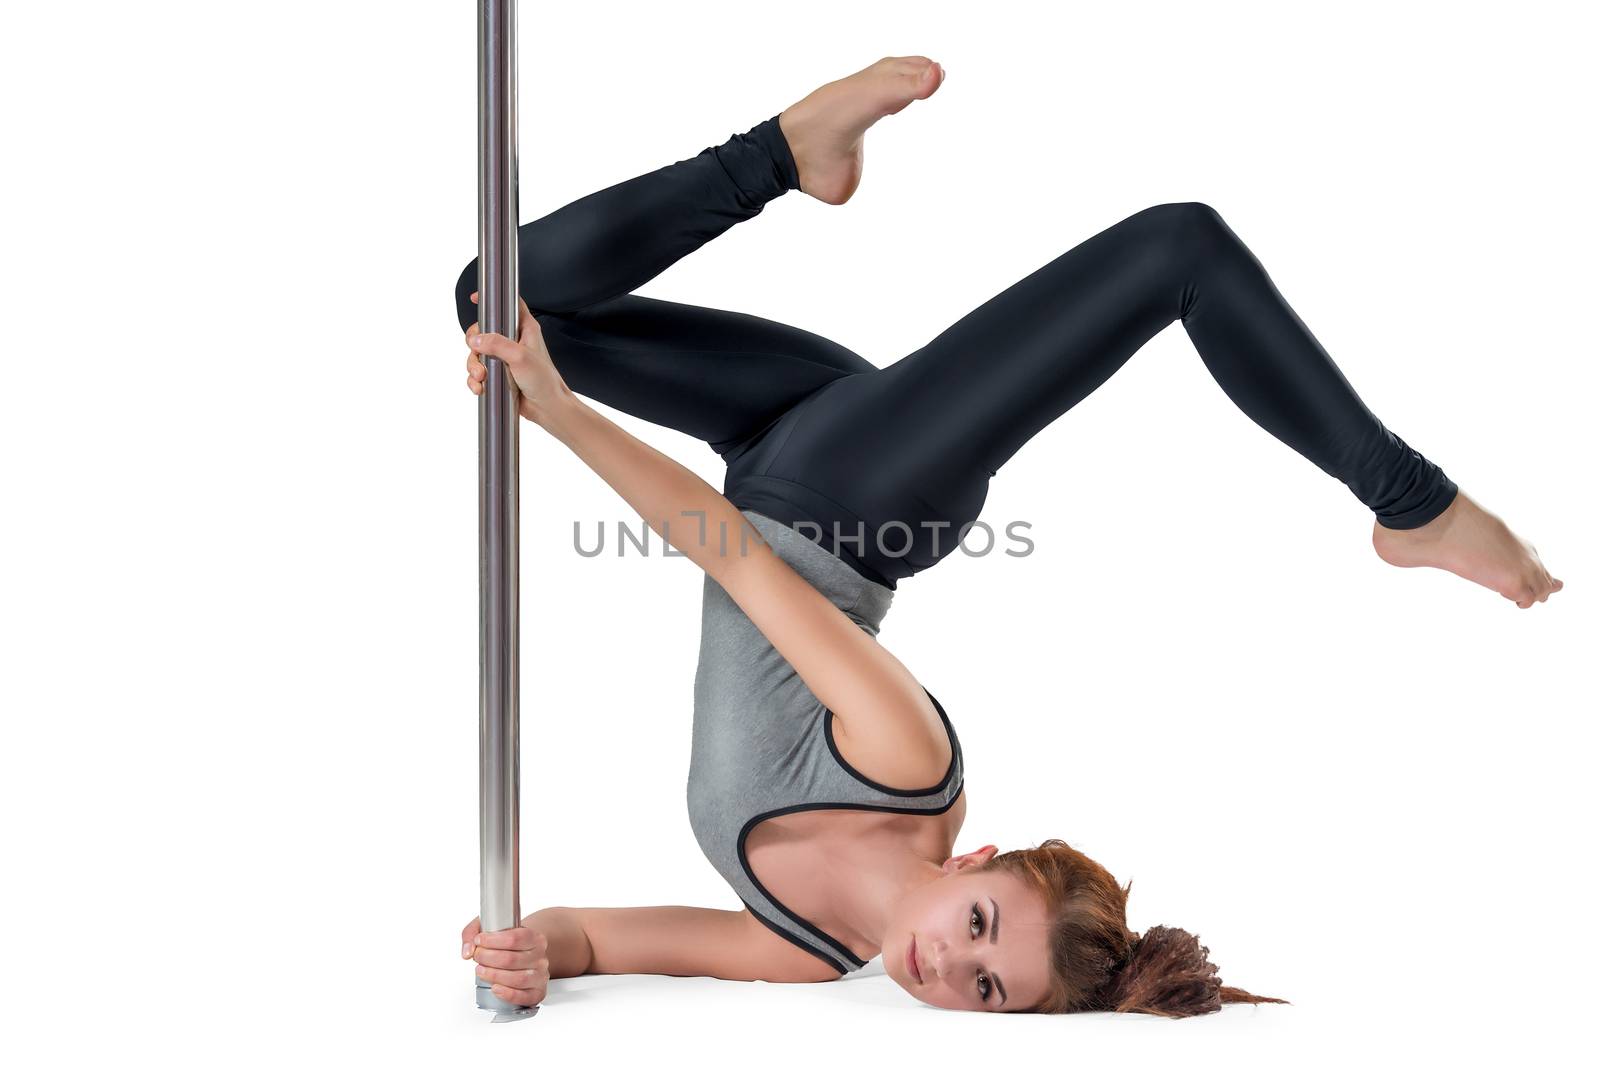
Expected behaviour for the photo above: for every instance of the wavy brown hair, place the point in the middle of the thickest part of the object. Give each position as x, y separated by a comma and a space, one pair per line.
1096, 963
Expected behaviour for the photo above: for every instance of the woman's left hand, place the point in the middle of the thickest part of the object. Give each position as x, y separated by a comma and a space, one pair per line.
540, 384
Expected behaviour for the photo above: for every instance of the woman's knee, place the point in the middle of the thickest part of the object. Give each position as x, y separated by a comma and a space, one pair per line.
1188, 218
466, 285
1189, 229
1190, 211
530, 282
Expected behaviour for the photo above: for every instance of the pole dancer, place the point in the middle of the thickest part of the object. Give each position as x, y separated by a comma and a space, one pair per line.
825, 782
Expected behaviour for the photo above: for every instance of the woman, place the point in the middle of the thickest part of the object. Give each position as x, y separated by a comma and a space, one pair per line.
825, 783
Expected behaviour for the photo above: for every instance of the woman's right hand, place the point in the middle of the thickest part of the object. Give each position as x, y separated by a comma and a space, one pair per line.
538, 381
514, 961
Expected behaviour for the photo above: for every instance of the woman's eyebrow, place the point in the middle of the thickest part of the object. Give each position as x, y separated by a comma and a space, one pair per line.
994, 933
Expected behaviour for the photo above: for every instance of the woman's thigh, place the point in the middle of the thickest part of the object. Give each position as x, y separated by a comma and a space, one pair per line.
868, 472
720, 376
912, 447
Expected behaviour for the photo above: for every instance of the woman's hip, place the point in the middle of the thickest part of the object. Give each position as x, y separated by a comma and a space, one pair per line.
845, 468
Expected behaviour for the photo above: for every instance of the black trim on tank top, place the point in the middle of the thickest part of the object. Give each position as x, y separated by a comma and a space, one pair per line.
955, 753
789, 937
807, 925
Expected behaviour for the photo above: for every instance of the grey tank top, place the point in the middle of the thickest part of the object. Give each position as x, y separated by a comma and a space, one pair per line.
763, 744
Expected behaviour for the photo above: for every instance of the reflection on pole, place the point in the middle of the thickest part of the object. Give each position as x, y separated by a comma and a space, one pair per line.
498, 771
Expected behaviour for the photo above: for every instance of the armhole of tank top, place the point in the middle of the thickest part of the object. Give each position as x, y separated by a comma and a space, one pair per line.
942, 785
804, 924
789, 936
798, 920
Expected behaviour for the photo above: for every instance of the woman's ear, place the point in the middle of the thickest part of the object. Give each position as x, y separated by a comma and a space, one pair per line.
976, 859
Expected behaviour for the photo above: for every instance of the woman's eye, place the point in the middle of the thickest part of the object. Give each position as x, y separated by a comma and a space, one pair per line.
976, 923
983, 987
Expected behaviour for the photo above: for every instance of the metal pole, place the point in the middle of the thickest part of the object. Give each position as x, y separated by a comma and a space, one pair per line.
498, 763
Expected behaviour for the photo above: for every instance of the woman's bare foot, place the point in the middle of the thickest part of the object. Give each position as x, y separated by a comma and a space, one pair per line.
825, 129
1472, 542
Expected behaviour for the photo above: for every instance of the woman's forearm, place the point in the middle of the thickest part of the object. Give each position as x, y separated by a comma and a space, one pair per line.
688, 513
566, 945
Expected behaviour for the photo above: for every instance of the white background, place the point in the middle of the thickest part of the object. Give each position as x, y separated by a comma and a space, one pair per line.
240, 623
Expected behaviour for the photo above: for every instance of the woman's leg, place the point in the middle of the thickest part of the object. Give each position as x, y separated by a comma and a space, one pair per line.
917, 442
719, 376
1039, 348
613, 241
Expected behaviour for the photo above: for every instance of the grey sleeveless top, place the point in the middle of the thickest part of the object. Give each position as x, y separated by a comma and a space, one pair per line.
763, 744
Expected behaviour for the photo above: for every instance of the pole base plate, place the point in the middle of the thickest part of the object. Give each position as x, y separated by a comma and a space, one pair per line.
504, 1011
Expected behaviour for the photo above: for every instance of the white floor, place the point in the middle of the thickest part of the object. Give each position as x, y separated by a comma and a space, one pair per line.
864, 1020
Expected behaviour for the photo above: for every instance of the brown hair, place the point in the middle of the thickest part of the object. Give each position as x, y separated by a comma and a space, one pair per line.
1096, 963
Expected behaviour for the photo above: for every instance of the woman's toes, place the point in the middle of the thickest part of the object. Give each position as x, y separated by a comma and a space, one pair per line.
925, 80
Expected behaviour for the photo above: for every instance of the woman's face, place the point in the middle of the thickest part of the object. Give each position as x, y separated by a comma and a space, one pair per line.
971, 939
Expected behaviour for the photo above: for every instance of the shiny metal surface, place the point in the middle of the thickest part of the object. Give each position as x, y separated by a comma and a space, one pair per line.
498, 754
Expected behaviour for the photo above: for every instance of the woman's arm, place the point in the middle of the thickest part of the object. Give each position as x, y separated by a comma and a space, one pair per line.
681, 940
881, 707
558, 943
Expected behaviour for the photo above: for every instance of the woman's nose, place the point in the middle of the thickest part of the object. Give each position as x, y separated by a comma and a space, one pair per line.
941, 958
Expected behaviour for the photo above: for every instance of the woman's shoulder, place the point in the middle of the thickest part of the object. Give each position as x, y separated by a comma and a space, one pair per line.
775, 959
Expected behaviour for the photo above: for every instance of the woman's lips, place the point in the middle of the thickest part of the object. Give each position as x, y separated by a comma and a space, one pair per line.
911, 960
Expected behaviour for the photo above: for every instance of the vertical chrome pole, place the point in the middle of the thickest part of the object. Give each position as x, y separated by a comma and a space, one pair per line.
498, 763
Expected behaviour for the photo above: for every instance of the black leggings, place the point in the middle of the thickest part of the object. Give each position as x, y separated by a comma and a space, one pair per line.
888, 467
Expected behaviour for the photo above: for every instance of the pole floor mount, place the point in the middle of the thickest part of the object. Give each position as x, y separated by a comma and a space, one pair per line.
504, 1011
